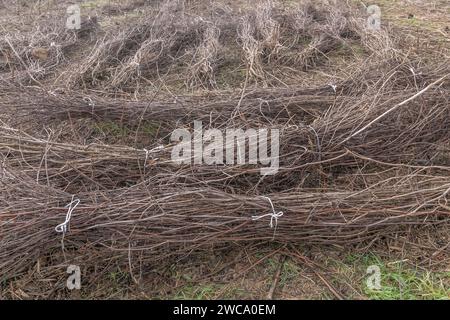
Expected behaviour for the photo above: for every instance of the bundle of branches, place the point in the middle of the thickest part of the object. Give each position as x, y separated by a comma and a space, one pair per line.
78, 166
335, 121
38, 105
386, 129
382, 79
259, 36
161, 222
202, 69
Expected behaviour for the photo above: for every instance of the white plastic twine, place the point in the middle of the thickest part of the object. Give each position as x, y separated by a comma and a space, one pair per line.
333, 86
62, 228
273, 215
90, 103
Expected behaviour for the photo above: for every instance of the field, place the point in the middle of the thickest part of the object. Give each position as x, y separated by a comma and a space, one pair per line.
361, 186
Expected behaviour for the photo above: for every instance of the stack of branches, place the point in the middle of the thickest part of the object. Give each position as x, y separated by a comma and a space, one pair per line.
181, 210
39, 105
160, 222
390, 129
203, 65
382, 82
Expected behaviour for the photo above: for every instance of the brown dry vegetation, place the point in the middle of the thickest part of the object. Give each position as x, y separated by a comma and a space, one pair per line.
364, 149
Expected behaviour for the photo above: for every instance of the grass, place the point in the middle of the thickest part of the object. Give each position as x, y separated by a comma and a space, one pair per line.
116, 130
196, 292
209, 291
95, 3
110, 128
290, 272
399, 281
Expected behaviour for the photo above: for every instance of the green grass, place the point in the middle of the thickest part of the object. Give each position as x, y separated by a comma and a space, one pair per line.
111, 128
119, 276
150, 128
409, 284
291, 270
196, 292
117, 130
94, 3
400, 281
207, 291
230, 75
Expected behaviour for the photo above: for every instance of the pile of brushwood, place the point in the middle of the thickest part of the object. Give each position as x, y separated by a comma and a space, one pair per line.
362, 158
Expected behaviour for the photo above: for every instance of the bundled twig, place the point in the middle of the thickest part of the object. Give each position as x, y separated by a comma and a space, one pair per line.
168, 221
69, 166
203, 68
388, 130
277, 105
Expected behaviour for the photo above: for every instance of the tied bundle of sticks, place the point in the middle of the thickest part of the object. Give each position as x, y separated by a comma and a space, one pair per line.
388, 130
47, 106
160, 222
